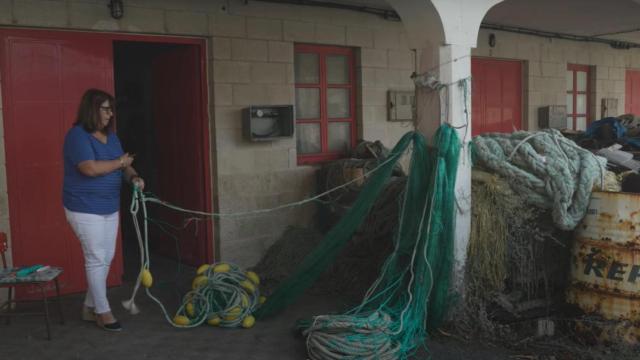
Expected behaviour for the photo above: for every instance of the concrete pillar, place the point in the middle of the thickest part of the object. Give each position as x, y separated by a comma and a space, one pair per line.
455, 69
446, 54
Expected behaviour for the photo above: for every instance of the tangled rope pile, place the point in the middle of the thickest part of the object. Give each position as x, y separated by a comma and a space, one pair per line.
554, 171
223, 295
351, 337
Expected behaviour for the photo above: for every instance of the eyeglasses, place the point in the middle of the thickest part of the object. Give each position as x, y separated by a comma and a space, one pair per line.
106, 109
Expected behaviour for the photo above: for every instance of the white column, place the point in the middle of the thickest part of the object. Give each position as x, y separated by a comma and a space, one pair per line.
455, 67
459, 23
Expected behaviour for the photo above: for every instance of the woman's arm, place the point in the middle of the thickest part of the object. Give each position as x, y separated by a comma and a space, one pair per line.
102, 167
131, 176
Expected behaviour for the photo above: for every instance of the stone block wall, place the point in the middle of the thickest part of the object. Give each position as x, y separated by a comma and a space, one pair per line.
253, 53
545, 67
250, 61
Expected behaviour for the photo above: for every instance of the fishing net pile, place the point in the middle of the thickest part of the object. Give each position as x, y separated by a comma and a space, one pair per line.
529, 190
517, 262
358, 264
411, 292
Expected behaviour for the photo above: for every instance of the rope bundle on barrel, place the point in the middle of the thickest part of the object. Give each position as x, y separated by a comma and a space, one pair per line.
553, 170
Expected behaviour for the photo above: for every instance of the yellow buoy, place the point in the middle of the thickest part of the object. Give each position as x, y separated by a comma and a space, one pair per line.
233, 313
190, 309
253, 277
222, 267
214, 321
245, 301
248, 321
181, 320
202, 269
262, 299
146, 279
248, 285
198, 281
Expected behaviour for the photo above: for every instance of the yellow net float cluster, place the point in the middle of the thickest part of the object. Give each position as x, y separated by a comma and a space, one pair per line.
222, 295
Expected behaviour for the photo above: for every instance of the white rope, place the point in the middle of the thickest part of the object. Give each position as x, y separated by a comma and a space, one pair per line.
130, 304
392, 157
415, 250
143, 240
225, 283
339, 337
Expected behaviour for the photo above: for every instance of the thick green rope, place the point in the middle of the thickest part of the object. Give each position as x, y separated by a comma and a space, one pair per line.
554, 171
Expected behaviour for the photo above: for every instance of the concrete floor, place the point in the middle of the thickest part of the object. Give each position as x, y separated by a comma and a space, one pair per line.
149, 336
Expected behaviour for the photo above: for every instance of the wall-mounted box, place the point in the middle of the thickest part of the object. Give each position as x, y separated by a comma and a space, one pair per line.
609, 107
401, 105
267, 122
552, 116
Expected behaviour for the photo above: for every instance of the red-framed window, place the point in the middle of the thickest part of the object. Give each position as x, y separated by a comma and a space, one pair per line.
325, 102
578, 79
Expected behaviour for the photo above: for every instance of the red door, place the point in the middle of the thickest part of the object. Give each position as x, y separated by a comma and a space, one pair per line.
181, 138
632, 92
44, 74
496, 95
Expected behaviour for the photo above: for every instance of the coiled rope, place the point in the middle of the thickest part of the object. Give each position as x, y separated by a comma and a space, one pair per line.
342, 337
553, 170
223, 295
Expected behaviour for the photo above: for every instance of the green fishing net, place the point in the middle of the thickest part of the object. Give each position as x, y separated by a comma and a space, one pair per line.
413, 284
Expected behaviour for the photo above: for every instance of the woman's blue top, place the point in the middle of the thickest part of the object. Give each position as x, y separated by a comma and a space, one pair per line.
90, 194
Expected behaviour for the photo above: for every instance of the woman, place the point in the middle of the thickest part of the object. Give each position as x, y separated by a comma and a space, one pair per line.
94, 166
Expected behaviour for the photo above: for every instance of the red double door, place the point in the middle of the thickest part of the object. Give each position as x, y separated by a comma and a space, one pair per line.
632, 92
43, 76
496, 95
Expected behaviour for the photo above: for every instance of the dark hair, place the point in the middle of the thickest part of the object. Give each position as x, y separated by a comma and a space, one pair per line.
89, 110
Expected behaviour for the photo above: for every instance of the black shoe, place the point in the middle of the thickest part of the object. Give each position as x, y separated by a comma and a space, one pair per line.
114, 326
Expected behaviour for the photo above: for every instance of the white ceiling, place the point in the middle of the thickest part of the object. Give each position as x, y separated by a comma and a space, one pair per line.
575, 17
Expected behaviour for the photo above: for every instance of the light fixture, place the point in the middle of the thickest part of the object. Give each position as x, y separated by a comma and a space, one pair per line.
492, 40
117, 9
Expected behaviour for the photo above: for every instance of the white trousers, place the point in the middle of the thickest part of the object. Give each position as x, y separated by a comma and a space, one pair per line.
97, 235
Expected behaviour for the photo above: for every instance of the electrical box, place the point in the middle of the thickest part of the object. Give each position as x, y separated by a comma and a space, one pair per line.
609, 107
552, 116
402, 105
267, 122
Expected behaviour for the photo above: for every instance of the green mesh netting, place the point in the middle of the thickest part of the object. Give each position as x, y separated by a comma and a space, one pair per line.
413, 285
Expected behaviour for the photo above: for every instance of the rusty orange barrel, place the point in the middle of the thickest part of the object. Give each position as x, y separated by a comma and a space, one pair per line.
605, 261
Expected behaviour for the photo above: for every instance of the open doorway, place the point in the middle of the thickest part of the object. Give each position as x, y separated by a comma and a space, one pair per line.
159, 97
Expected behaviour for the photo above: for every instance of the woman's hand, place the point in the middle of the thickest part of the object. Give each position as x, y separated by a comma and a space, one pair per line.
137, 181
125, 160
